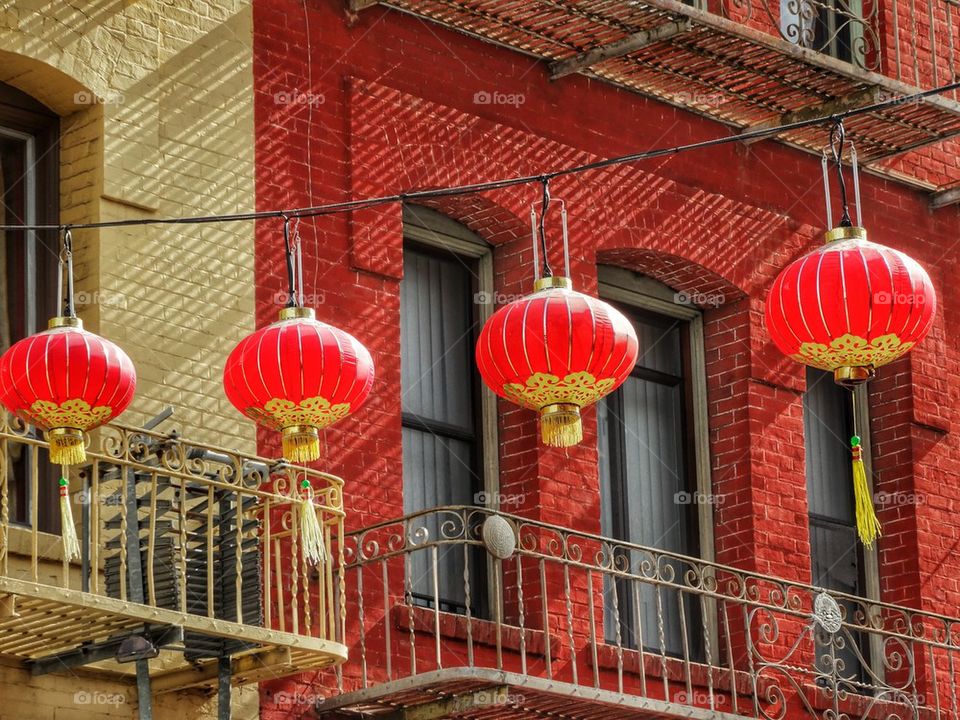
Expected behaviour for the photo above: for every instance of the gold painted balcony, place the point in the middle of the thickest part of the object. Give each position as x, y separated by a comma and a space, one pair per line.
194, 547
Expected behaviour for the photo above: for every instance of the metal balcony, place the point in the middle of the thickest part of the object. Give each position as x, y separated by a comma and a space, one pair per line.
193, 548
446, 621
753, 63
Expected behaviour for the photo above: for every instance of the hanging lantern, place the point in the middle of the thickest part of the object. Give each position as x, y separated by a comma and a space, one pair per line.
298, 375
557, 350
849, 307
66, 381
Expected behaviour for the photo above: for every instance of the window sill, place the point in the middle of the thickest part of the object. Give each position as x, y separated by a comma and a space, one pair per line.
484, 632
675, 670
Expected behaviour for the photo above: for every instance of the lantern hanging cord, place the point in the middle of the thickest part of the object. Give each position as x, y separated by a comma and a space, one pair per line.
838, 137
291, 275
547, 270
414, 195
66, 259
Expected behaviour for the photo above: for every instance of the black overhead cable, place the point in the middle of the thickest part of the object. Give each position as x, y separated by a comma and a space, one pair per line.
351, 205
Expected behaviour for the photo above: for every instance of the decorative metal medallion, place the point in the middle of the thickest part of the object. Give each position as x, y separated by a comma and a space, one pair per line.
826, 613
498, 537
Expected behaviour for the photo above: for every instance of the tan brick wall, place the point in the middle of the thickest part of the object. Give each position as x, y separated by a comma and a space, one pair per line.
156, 104
87, 694
156, 101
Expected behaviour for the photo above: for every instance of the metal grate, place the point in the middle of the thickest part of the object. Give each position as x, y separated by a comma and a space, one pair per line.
737, 65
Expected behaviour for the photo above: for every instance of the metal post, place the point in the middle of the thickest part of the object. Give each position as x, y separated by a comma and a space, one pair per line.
135, 584
85, 491
223, 688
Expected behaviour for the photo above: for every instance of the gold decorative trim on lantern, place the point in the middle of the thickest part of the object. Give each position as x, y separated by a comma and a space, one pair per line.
542, 389
70, 414
67, 446
551, 282
301, 443
278, 413
560, 425
852, 375
297, 313
64, 321
845, 233
850, 351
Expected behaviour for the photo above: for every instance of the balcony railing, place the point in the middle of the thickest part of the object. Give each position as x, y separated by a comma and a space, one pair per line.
462, 605
193, 547
913, 41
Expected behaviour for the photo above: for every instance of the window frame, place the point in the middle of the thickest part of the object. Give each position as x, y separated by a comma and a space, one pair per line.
426, 228
642, 292
870, 567
27, 120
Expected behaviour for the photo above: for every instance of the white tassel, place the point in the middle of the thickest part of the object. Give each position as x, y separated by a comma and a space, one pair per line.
311, 533
68, 531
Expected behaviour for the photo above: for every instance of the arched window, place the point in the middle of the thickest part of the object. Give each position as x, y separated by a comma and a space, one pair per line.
654, 454
449, 421
838, 561
29, 189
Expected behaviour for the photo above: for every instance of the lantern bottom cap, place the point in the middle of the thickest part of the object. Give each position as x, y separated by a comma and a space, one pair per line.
67, 446
560, 425
853, 375
301, 443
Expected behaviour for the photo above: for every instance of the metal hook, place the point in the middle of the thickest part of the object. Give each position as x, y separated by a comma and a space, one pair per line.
838, 138
547, 271
291, 277
66, 258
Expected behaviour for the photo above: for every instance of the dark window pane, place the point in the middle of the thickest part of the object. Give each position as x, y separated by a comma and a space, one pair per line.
647, 488
28, 194
441, 445
836, 557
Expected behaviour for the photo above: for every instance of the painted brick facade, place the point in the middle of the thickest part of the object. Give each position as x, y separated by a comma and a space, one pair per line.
390, 103
155, 101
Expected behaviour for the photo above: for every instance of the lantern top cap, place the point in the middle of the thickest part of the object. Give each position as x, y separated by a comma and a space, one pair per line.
845, 232
552, 281
297, 313
64, 321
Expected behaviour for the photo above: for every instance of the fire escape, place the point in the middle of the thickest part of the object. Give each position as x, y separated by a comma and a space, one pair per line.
755, 64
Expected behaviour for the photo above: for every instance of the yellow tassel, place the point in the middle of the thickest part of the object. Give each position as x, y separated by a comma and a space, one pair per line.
301, 443
311, 533
868, 526
560, 425
68, 531
66, 446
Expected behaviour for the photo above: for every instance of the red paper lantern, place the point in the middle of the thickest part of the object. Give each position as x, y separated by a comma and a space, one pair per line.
850, 306
556, 351
298, 376
66, 381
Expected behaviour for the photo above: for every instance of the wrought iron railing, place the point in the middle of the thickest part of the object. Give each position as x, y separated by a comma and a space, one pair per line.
171, 533
913, 41
464, 587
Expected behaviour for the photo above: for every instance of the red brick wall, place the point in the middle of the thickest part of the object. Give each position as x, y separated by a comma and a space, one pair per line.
391, 107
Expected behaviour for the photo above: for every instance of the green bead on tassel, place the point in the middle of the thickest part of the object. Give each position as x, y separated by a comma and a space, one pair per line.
68, 531
868, 526
311, 533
